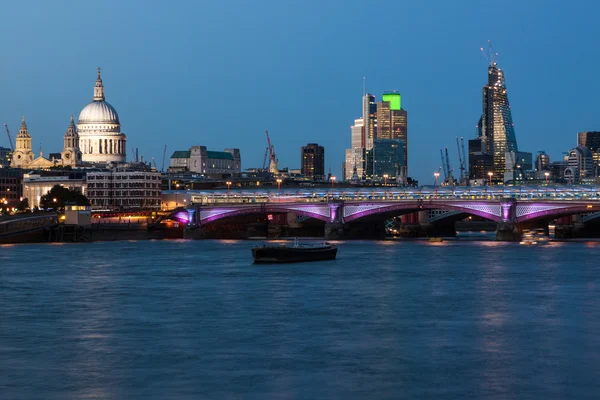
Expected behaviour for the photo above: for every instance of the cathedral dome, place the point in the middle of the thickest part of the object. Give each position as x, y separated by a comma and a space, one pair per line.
99, 112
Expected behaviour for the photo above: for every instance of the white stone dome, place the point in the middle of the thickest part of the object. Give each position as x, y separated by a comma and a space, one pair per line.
99, 112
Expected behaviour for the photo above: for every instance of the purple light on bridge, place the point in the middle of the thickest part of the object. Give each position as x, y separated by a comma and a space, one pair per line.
182, 216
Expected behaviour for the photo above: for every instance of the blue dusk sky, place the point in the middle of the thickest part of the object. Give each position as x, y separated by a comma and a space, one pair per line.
218, 73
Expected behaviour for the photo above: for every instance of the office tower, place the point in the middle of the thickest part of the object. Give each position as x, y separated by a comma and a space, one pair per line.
388, 159
542, 161
355, 163
480, 163
5, 155
591, 140
357, 132
580, 165
369, 121
392, 123
496, 129
313, 161
354, 155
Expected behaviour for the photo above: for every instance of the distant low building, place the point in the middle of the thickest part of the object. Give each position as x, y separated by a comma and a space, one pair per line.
124, 188
212, 164
580, 165
5, 155
11, 185
37, 185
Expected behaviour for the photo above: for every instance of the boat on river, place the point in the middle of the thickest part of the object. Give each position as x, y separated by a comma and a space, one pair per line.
272, 254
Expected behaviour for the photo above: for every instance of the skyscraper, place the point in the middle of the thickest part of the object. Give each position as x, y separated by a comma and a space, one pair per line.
313, 161
591, 140
496, 129
392, 124
354, 158
369, 121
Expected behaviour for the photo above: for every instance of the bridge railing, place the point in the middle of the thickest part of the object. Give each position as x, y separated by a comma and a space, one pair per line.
384, 194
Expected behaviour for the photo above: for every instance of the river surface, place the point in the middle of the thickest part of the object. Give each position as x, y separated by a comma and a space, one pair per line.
386, 320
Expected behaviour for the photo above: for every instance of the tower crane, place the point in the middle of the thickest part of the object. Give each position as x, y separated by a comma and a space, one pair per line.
461, 161
12, 146
465, 160
450, 177
162, 168
273, 159
446, 173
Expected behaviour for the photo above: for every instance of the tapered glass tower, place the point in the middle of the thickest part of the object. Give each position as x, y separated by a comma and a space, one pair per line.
496, 130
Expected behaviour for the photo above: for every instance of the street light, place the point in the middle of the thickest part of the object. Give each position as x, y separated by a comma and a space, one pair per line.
332, 181
385, 176
228, 187
437, 175
490, 174
547, 175
279, 180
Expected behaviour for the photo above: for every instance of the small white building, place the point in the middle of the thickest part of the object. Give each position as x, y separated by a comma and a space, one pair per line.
35, 186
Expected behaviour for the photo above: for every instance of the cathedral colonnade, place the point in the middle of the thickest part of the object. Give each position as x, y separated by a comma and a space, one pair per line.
103, 146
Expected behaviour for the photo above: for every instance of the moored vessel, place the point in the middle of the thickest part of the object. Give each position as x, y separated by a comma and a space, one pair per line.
270, 254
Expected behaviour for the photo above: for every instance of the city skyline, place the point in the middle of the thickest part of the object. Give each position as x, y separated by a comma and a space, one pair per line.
161, 101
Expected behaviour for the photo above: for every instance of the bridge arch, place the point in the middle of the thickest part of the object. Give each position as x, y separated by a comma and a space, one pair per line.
353, 212
320, 212
531, 212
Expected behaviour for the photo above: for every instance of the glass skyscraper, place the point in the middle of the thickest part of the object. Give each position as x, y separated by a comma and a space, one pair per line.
496, 129
369, 121
392, 124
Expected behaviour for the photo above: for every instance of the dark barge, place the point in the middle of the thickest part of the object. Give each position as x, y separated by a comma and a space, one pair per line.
270, 254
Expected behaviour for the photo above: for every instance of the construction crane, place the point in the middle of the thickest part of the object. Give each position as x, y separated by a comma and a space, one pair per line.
450, 179
446, 173
264, 164
12, 147
461, 159
273, 159
162, 168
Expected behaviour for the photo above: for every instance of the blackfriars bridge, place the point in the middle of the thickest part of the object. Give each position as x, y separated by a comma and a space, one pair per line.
511, 208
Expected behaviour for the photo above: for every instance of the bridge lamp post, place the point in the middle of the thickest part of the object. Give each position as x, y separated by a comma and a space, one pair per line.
332, 182
279, 180
490, 174
385, 176
228, 188
437, 175
547, 175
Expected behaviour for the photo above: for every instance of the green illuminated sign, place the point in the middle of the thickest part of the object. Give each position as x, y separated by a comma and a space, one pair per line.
393, 99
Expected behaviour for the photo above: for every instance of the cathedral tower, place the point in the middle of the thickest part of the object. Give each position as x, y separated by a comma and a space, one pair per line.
23, 154
71, 155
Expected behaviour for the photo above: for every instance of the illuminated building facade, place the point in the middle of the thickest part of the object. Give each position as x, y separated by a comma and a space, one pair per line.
313, 161
591, 140
5, 156
369, 121
496, 129
212, 164
392, 124
124, 188
354, 159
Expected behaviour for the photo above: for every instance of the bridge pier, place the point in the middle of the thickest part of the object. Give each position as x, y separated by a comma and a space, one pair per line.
509, 230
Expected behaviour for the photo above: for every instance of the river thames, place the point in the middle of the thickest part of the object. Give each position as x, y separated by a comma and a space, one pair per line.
386, 320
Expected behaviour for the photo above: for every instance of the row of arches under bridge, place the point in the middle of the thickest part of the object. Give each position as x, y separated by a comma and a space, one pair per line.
360, 213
